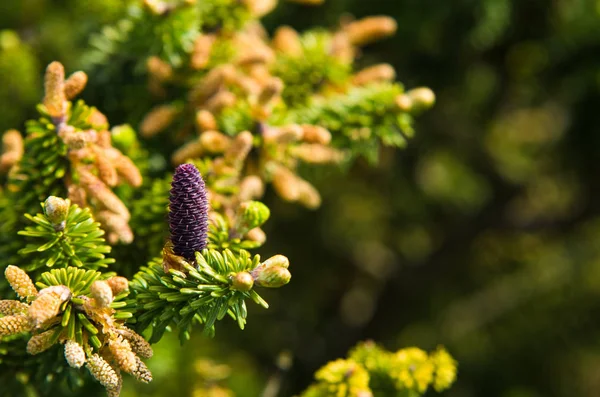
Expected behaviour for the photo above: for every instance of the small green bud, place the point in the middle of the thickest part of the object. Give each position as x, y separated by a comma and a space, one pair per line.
277, 260
272, 277
242, 281
251, 214
56, 209
123, 137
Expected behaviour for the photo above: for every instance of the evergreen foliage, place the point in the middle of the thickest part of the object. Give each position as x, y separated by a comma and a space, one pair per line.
260, 108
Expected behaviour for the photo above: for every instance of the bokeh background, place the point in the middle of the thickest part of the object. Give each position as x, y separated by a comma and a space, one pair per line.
483, 235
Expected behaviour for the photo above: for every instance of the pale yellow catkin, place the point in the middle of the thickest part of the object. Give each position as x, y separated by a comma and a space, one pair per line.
215, 141
14, 324
370, 29
158, 119
54, 87
376, 73
138, 344
40, 342
20, 282
95, 188
287, 40
10, 307
75, 84
205, 121
189, 151
74, 354
121, 352
102, 371
12, 149
202, 50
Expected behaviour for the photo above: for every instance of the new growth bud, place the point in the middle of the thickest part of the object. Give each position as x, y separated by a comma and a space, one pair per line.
272, 273
102, 293
242, 281
188, 212
56, 210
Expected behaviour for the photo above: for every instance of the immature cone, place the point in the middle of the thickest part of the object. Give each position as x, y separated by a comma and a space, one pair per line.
74, 354
102, 371
20, 282
188, 212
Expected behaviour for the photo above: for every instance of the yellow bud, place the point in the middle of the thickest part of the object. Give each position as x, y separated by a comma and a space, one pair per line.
287, 41
370, 29
422, 97
205, 121
251, 187
20, 282
54, 87
12, 149
40, 342
239, 149
202, 50
315, 153
189, 151
257, 234
308, 196
219, 101
118, 284
159, 69
74, 354
102, 293
158, 120
260, 8
56, 209
214, 141
271, 91
404, 102
75, 84
277, 260
242, 281
377, 73
286, 184
211, 83
315, 134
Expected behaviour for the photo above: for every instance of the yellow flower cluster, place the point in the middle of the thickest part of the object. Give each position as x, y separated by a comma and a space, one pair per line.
380, 372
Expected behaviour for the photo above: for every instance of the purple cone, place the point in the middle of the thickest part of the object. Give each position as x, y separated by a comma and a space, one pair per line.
188, 212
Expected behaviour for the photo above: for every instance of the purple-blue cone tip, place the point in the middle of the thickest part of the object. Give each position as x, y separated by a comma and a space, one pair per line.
188, 212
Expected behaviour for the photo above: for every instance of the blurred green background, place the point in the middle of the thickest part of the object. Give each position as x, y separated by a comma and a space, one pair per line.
483, 235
